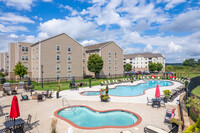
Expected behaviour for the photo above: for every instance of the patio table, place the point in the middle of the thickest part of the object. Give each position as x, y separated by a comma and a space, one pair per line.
11, 124
156, 103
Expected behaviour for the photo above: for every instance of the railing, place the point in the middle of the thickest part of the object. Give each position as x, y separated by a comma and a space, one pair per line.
63, 102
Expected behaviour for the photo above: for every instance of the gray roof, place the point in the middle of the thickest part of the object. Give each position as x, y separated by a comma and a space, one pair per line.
145, 55
96, 46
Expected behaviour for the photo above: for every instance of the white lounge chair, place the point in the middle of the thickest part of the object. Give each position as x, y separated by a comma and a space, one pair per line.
109, 82
153, 129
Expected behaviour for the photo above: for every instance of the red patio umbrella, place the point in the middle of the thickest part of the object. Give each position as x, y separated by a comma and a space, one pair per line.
14, 110
157, 91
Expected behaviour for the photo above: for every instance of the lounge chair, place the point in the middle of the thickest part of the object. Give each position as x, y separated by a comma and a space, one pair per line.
28, 121
149, 102
113, 81
24, 97
116, 81
73, 86
40, 97
102, 83
105, 82
169, 115
7, 88
153, 129
109, 82
46, 93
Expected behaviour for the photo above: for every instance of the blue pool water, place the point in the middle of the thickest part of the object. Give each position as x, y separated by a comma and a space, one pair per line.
84, 117
131, 90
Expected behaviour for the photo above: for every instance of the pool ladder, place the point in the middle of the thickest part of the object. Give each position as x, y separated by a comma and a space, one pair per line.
64, 100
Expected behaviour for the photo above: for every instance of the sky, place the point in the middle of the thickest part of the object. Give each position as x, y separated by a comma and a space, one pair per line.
169, 27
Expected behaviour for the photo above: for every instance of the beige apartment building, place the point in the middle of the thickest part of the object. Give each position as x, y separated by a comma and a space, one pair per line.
19, 52
111, 54
4, 62
58, 56
140, 61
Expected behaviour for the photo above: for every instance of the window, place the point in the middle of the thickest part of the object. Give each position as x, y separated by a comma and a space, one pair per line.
24, 57
145, 62
83, 60
58, 48
58, 76
109, 53
109, 67
83, 53
109, 74
69, 67
7, 61
83, 67
58, 67
115, 68
115, 53
69, 58
69, 75
7, 66
24, 48
69, 49
115, 60
109, 60
58, 58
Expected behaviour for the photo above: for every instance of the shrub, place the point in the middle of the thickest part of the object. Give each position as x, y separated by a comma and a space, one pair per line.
167, 93
186, 83
2, 80
176, 121
90, 81
194, 128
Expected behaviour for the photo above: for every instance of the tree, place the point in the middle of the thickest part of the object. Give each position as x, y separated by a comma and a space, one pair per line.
152, 66
95, 64
169, 68
190, 62
127, 67
159, 66
20, 70
198, 62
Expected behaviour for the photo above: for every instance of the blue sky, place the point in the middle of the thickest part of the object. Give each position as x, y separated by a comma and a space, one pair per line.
170, 27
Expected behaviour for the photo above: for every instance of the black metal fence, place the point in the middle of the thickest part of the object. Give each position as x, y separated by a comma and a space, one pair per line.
194, 82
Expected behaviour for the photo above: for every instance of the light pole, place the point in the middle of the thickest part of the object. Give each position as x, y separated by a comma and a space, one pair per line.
42, 74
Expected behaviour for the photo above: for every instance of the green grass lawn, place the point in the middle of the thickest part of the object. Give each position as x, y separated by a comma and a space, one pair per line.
196, 91
65, 86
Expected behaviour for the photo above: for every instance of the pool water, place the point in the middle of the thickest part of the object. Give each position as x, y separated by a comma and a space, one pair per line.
85, 117
131, 90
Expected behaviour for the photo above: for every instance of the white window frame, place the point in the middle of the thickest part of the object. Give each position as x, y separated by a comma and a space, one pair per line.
68, 49
69, 58
57, 47
69, 66
57, 66
57, 57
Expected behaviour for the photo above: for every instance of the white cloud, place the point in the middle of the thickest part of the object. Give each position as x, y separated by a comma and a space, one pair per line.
48, 0
19, 4
89, 42
4, 28
75, 27
13, 36
11, 17
184, 22
148, 48
172, 48
172, 3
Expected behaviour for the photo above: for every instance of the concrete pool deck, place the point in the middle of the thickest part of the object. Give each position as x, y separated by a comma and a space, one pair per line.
42, 112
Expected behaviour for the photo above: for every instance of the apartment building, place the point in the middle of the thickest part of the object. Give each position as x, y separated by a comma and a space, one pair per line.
140, 61
58, 56
111, 54
4, 62
19, 52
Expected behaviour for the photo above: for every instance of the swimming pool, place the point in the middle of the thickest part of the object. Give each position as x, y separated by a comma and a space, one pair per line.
85, 117
127, 90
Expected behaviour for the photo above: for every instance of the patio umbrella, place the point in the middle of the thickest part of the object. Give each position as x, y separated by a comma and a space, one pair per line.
29, 81
73, 80
14, 110
157, 91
